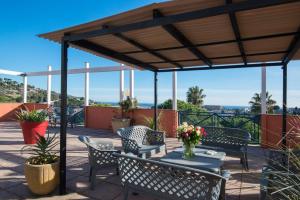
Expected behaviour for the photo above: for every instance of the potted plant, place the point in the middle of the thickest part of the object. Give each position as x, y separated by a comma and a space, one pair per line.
124, 120
42, 168
33, 123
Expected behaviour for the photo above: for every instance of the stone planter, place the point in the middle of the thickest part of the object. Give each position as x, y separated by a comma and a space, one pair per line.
42, 179
120, 123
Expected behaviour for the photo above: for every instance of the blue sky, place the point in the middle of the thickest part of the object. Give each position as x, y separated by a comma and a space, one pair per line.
22, 50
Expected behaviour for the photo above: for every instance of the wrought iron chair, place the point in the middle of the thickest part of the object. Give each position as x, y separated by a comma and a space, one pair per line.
142, 141
169, 181
100, 156
282, 171
232, 141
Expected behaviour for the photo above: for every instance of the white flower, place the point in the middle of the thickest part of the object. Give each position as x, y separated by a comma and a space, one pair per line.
185, 124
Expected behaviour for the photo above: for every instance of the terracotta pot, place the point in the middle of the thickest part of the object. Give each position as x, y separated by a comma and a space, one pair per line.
42, 179
120, 123
31, 130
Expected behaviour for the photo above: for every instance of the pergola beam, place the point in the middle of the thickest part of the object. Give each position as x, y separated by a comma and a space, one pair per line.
237, 33
111, 53
293, 48
284, 104
180, 37
217, 43
10, 72
63, 114
80, 70
146, 49
222, 57
273, 64
198, 14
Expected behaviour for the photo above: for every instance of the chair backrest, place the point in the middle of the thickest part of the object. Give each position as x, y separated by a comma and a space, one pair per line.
100, 153
168, 180
226, 137
137, 133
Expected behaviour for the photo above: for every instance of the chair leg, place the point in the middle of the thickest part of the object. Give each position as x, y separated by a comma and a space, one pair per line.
246, 162
117, 171
126, 192
222, 192
90, 174
93, 179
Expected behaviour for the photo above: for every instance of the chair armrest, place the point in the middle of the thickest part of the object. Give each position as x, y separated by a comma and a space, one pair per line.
130, 146
226, 174
156, 137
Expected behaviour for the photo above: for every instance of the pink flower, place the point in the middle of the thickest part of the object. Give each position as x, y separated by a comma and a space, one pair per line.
203, 131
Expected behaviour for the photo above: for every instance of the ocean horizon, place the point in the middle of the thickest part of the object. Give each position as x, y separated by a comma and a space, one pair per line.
149, 105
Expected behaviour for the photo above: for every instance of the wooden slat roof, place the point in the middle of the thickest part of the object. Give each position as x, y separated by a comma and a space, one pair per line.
266, 34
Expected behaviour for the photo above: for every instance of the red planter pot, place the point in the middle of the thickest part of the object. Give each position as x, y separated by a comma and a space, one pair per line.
31, 130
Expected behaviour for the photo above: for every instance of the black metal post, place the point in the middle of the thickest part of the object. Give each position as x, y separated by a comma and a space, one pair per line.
155, 101
284, 104
63, 115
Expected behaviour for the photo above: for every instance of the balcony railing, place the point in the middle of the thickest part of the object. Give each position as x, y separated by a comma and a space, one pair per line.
248, 122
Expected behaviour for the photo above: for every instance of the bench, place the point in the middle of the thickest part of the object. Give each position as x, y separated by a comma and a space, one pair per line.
169, 181
142, 141
232, 141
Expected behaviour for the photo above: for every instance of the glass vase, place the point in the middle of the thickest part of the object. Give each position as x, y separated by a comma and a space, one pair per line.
188, 151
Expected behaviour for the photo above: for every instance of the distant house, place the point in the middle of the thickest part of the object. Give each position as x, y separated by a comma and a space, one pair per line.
213, 108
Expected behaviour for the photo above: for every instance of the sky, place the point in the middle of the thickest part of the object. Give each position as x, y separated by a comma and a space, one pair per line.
21, 50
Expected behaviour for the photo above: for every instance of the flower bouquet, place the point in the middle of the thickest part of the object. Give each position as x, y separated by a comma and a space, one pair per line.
190, 136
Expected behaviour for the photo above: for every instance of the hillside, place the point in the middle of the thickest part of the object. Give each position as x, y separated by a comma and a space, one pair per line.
12, 91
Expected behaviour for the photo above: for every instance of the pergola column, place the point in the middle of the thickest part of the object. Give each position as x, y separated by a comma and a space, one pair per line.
284, 104
121, 85
174, 96
25, 83
155, 101
87, 85
263, 94
131, 83
64, 119
49, 81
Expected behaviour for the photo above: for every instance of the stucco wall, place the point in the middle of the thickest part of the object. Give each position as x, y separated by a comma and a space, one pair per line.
100, 118
271, 131
8, 110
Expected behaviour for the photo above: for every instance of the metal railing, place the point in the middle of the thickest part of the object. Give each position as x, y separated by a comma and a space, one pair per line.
248, 122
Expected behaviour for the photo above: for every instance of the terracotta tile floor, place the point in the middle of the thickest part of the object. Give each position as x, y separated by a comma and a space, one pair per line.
242, 185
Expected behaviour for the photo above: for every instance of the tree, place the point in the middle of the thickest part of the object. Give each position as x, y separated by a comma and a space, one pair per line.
255, 103
182, 106
195, 96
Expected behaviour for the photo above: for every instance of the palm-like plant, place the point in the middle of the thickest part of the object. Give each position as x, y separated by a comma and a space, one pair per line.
255, 103
43, 151
195, 96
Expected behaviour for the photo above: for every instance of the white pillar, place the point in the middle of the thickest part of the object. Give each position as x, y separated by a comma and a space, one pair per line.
87, 85
49, 85
263, 94
131, 83
24, 89
174, 96
121, 85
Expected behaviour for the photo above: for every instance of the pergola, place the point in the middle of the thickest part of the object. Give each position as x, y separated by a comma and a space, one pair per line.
188, 35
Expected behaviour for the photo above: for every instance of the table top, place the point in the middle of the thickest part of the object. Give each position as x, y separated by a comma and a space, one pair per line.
199, 162
206, 153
